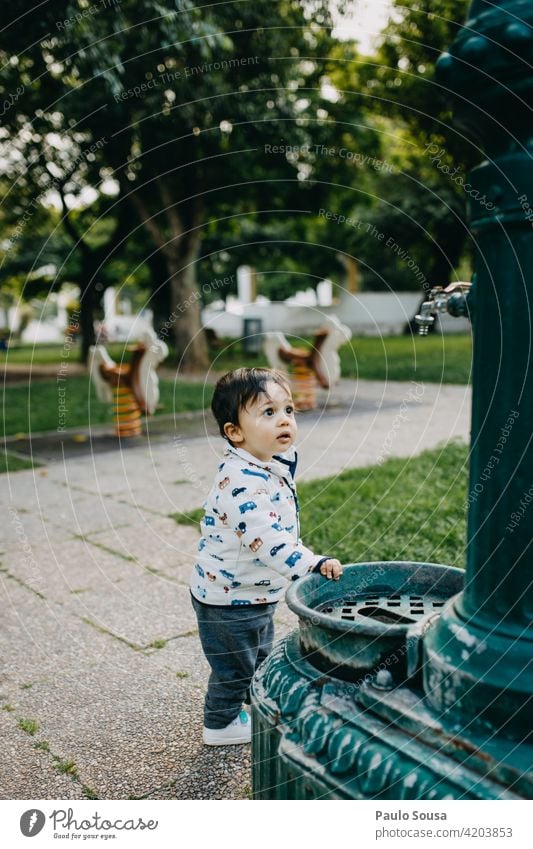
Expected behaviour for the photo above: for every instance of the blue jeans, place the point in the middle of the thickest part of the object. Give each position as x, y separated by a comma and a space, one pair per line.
235, 640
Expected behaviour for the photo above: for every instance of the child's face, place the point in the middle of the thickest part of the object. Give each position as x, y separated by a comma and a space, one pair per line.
267, 426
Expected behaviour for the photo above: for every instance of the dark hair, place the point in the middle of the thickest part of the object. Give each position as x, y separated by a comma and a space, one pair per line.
236, 389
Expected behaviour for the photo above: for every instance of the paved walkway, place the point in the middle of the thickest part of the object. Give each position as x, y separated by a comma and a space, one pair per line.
101, 676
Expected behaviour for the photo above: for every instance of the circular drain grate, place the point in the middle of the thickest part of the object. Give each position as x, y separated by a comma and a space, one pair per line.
389, 609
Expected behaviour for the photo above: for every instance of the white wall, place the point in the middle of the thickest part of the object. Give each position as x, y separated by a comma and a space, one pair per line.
366, 314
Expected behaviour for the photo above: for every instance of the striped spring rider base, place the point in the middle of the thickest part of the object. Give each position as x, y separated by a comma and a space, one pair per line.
303, 382
126, 413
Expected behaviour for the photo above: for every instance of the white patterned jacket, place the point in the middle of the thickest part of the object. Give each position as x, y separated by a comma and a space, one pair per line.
250, 548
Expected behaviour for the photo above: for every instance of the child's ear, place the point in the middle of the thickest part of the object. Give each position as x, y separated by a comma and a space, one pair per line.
233, 433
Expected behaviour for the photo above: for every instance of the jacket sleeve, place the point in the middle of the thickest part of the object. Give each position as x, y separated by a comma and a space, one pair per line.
259, 531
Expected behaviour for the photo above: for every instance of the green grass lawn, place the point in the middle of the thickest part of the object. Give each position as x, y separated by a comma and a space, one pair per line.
430, 359
427, 359
34, 407
11, 463
44, 354
410, 509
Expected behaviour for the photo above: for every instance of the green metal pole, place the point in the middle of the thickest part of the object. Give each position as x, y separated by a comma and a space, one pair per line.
479, 668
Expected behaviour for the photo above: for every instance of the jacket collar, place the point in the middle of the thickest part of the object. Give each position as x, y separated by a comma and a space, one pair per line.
280, 465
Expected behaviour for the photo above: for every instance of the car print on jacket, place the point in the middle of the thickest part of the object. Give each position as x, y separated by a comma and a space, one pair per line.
255, 474
293, 558
242, 522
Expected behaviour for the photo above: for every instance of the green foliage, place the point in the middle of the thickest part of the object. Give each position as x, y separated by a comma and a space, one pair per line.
191, 517
88, 792
414, 200
65, 766
170, 107
32, 408
10, 462
404, 79
402, 510
212, 136
426, 359
44, 354
30, 726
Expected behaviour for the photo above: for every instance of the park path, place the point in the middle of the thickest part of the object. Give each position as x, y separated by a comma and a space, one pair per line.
101, 677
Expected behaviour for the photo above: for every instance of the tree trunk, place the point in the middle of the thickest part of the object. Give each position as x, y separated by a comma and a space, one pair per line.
160, 297
87, 300
189, 337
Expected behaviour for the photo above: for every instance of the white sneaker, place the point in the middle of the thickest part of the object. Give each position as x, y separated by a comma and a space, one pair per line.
238, 731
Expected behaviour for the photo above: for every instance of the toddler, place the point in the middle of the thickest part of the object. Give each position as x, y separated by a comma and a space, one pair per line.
250, 547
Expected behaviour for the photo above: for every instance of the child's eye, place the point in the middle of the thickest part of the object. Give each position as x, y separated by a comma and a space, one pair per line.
289, 410
268, 412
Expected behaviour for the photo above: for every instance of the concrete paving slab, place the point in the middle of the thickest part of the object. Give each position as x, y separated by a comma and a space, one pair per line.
138, 610
43, 641
160, 545
22, 528
85, 514
27, 489
160, 498
66, 568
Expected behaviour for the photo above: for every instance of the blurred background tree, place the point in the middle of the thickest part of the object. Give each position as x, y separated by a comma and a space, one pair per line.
418, 205
162, 144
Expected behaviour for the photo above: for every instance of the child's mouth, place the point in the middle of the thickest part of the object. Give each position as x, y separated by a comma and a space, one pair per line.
284, 436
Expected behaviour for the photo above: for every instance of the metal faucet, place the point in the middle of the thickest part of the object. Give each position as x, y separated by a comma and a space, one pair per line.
452, 299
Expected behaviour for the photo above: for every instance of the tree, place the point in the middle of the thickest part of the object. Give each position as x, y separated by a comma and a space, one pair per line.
173, 105
420, 203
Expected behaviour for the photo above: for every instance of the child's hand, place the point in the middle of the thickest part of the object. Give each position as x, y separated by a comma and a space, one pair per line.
331, 569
